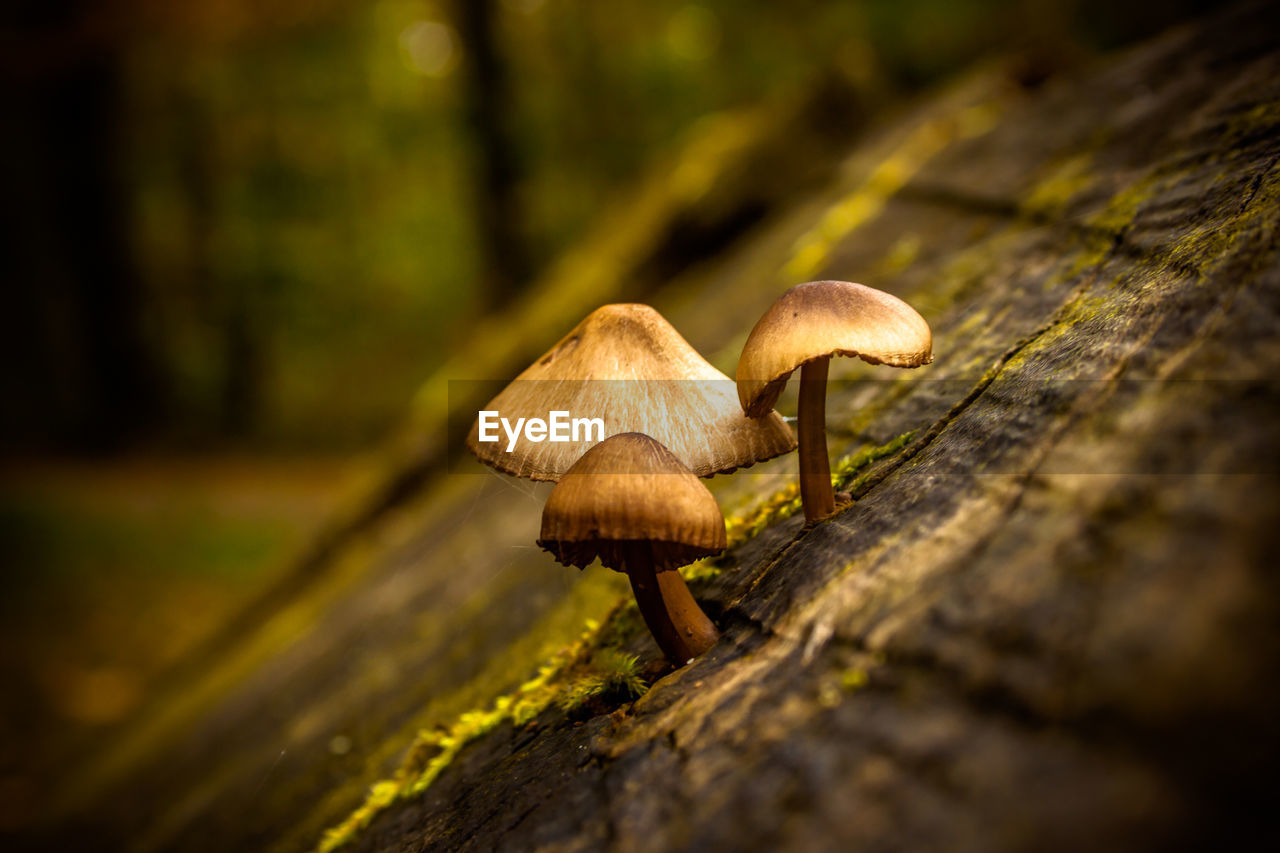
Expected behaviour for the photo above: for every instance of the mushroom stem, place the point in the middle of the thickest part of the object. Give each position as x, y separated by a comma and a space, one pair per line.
815, 468
682, 630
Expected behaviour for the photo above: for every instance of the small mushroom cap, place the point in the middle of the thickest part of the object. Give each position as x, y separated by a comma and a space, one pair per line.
627, 365
628, 489
825, 318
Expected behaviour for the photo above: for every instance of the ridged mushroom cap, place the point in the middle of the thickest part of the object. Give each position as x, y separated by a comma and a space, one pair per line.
826, 318
628, 489
627, 365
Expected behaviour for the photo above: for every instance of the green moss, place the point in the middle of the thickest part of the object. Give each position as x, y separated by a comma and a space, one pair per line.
836, 686
571, 673
590, 668
1211, 241
622, 623
967, 272
850, 472
573, 676
865, 202
1123, 206
783, 503
702, 570
847, 475
901, 255
1193, 252
853, 679
611, 673
1050, 196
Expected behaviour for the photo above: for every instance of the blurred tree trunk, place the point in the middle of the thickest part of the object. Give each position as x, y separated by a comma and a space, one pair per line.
239, 345
505, 263
77, 354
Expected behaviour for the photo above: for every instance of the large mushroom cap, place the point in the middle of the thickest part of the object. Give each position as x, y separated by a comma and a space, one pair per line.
821, 319
629, 488
627, 365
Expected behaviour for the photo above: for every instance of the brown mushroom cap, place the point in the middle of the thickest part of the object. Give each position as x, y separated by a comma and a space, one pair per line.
627, 365
629, 488
821, 319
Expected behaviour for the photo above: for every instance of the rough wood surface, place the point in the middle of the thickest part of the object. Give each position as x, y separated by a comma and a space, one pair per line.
1047, 621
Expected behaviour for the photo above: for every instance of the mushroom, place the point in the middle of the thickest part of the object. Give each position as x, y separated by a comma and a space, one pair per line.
626, 365
808, 325
633, 504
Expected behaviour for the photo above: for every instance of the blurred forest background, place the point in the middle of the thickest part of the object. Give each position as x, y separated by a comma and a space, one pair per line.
237, 235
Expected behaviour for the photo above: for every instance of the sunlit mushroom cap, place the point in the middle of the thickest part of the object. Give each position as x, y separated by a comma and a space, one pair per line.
826, 318
628, 489
627, 365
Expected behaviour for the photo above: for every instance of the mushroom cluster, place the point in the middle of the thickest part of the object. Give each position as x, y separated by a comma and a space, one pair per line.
634, 499
631, 496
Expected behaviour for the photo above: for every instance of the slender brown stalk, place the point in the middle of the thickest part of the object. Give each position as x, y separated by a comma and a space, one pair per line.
815, 469
682, 630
